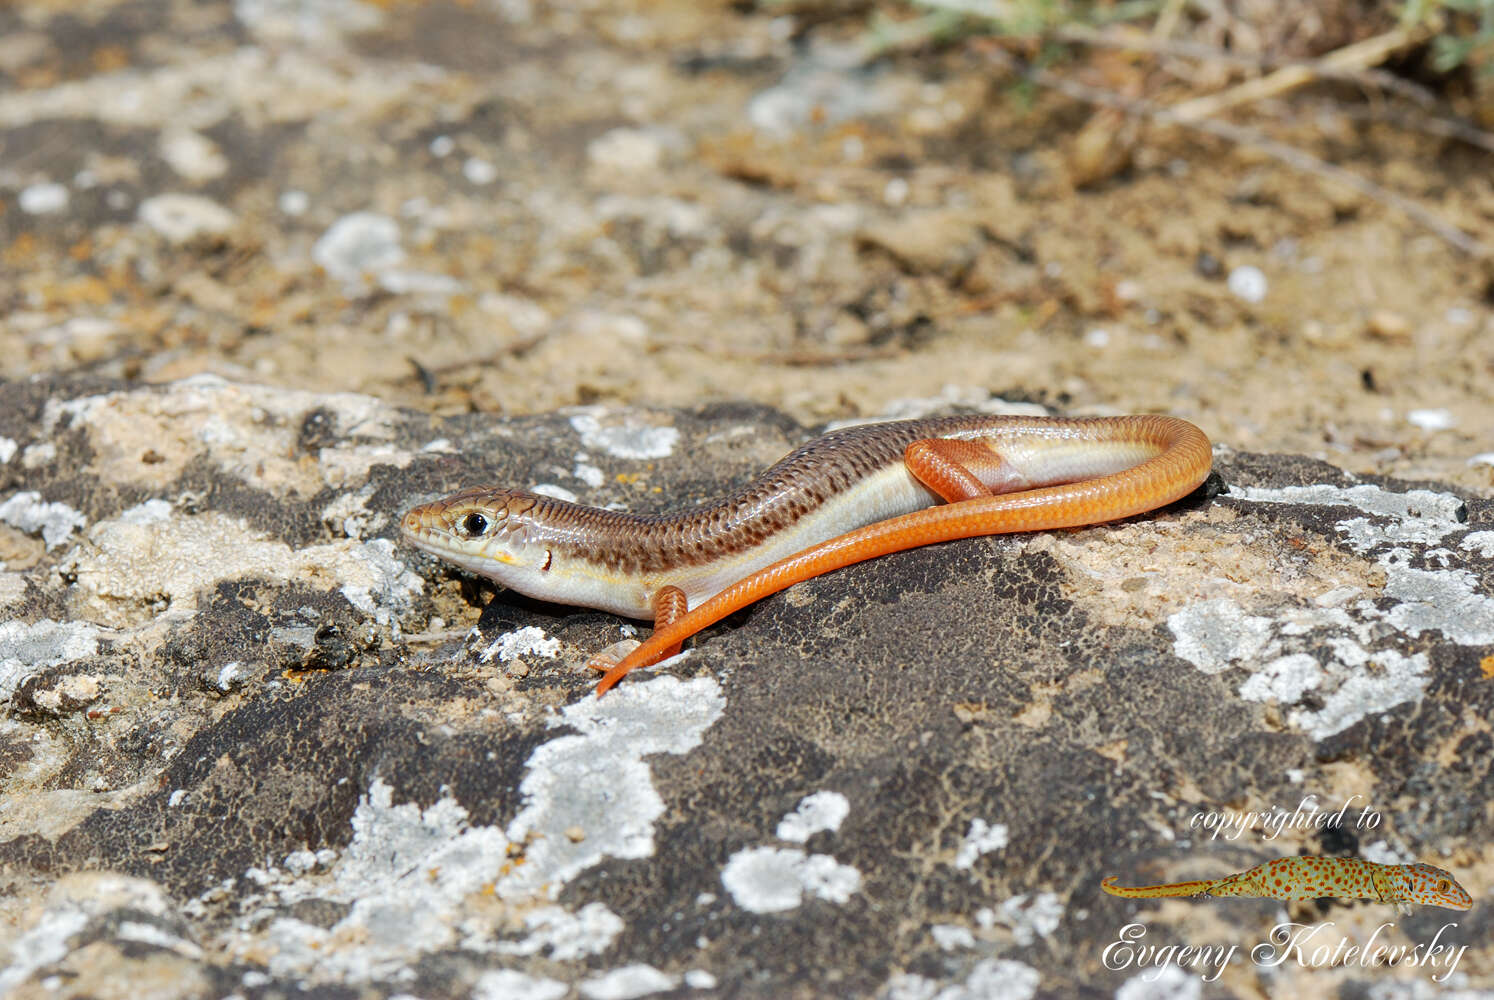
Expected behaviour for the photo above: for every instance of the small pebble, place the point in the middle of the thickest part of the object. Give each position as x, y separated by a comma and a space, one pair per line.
479, 171
1388, 325
358, 244
1248, 284
626, 149
192, 155
575, 834
43, 199
182, 218
1432, 420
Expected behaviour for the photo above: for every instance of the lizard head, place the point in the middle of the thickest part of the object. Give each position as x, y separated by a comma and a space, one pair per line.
545, 548
1431, 886
483, 530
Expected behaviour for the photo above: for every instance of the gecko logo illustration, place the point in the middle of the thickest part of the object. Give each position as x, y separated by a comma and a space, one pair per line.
1317, 878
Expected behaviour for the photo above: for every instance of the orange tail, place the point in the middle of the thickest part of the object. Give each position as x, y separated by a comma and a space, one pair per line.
1149, 891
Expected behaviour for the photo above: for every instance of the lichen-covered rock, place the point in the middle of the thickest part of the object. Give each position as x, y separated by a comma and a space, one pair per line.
253, 745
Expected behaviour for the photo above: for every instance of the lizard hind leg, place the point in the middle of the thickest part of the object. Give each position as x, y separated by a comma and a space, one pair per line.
670, 605
1246, 883
956, 470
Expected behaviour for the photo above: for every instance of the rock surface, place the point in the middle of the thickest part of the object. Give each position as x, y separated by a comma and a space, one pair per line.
254, 747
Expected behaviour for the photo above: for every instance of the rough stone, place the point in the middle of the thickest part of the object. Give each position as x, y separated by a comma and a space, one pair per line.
252, 744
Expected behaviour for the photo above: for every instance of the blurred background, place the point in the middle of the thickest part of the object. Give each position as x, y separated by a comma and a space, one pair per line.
1272, 218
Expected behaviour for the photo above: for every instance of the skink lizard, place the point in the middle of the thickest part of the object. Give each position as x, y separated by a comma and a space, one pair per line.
853, 494
1314, 878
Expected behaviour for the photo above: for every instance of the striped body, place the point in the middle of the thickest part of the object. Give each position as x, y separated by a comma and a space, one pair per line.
557, 551
1315, 878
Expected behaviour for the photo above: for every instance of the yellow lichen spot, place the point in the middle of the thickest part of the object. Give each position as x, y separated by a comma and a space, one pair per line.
1487, 666
84, 290
628, 478
110, 58
21, 251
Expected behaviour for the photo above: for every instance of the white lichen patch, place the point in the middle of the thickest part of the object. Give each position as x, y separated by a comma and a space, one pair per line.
382, 586
1480, 543
39, 454
1216, 635
73, 905
1417, 517
1166, 982
249, 432
1030, 916
624, 434
506, 984
952, 937
1329, 652
406, 874
982, 838
28, 512
148, 512
1386, 679
134, 568
775, 879
566, 935
1448, 601
1342, 650
595, 779
155, 936
423, 880
989, 979
527, 641
628, 983
349, 515
586, 472
26, 649
815, 813
1285, 679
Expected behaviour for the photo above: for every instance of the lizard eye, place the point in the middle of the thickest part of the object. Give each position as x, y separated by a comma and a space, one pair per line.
474, 524
1444, 885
